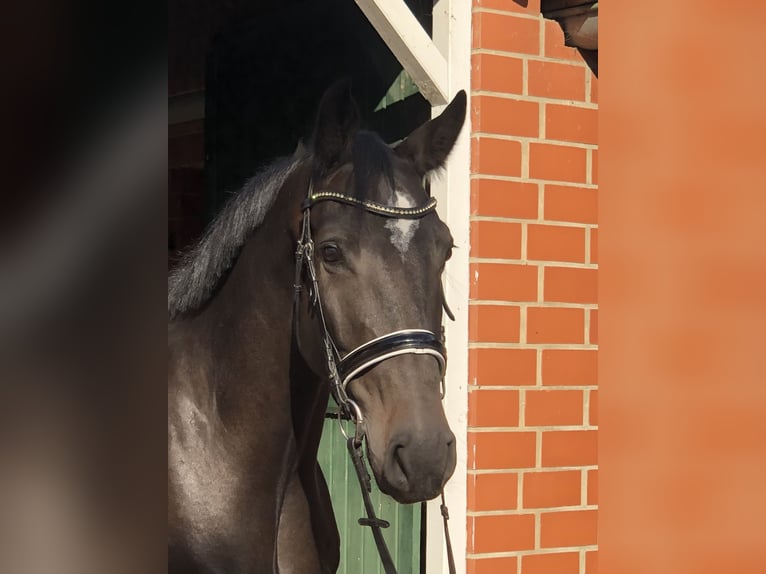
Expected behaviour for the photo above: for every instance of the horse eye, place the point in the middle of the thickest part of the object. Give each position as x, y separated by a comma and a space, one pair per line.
331, 253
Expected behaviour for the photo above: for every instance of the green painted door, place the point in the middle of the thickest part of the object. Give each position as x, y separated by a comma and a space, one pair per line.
358, 552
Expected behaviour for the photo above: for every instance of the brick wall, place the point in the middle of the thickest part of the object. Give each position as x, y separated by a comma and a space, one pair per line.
532, 466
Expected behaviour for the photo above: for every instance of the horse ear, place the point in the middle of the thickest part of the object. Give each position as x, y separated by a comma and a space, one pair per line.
300, 150
430, 144
337, 122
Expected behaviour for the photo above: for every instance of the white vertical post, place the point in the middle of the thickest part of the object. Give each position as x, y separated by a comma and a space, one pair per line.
452, 35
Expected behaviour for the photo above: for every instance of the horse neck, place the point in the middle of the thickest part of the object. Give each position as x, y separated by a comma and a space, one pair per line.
248, 327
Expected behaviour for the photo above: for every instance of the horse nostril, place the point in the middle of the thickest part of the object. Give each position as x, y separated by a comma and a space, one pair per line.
400, 459
397, 467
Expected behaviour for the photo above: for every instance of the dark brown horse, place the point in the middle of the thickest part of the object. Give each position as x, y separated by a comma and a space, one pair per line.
248, 361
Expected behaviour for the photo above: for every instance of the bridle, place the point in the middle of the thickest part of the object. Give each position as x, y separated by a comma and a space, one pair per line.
343, 370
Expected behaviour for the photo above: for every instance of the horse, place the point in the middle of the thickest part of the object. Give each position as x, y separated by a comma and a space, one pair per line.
255, 352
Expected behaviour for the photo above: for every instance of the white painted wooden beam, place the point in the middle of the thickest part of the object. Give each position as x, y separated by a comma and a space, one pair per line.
407, 39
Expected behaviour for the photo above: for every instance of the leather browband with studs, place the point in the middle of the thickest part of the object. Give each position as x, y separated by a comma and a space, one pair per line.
373, 206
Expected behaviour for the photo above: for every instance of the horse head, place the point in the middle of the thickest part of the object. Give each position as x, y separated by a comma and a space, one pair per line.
379, 251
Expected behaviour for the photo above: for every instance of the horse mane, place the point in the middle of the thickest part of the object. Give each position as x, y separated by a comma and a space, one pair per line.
200, 270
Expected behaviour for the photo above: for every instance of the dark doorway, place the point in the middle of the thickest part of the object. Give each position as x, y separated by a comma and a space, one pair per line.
245, 79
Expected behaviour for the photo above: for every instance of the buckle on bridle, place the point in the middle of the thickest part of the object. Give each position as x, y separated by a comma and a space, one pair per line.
352, 412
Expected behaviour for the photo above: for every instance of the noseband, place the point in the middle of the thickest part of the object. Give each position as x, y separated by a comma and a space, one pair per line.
343, 370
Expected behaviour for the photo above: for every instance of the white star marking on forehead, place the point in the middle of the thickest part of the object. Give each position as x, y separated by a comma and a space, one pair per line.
402, 230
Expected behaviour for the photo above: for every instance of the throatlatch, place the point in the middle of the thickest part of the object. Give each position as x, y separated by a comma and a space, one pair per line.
342, 370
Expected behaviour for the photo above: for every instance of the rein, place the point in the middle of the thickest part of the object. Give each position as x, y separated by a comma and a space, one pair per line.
342, 370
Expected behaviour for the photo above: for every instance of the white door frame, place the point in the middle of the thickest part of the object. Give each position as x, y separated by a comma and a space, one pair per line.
440, 68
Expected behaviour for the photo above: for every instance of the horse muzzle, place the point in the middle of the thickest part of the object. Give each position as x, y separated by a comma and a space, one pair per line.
416, 466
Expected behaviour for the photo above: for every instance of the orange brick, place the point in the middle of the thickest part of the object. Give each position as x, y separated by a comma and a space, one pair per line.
591, 562
594, 167
505, 116
573, 528
594, 326
551, 489
501, 450
570, 285
524, 6
556, 563
569, 367
554, 43
556, 80
569, 203
501, 282
511, 367
493, 491
493, 73
490, 408
505, 33
593, 88
493, 324
555, 325
593, 486
496, 198
570, 448
593, 408
556, 243
594, 245
557, 162
571, 124
495, 240
495, 565
553, 407
504, 533
495, 157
